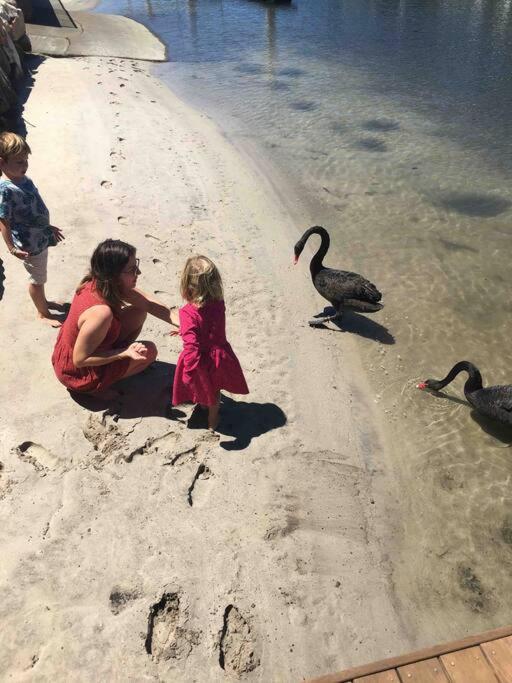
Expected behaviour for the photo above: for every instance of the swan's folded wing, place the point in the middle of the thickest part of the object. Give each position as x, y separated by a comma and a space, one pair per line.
337, 285
500, 397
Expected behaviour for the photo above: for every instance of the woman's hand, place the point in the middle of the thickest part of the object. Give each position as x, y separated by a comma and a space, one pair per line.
57, 233
135, 351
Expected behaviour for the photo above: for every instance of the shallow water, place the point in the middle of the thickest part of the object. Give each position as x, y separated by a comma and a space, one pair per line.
393, 121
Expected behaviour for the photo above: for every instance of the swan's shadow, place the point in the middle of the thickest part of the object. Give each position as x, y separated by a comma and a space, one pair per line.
242, 420
358, 324
498, 430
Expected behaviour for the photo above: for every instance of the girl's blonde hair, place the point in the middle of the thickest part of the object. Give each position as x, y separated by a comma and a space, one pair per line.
201, 281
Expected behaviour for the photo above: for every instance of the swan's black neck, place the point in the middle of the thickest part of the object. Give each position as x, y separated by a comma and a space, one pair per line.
316, 264
474, 381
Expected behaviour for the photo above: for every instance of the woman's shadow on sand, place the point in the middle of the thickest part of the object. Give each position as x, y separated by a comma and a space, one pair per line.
150, 393
144, 395
242, 420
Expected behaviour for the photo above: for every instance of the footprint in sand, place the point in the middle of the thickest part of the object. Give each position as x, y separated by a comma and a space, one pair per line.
236, 647
39, 457
122, 220
203, 472
167, 638
106, 184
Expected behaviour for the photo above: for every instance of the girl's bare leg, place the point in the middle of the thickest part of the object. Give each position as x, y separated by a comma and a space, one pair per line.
213, 415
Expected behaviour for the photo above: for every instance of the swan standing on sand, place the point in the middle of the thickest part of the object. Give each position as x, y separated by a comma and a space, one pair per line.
494, 402
344, 290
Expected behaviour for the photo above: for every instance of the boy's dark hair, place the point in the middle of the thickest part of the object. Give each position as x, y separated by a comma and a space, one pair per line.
108, 260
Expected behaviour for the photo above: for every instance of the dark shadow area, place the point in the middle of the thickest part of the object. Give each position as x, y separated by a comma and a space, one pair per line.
381, 125
359, 324
43, 13
371, 145
2, 279
146, 395
473, 204
250, 68
456, 246
279, 85
339, 128
241, 420
447, 397
291, 72
303, 105
13, 119
498, 430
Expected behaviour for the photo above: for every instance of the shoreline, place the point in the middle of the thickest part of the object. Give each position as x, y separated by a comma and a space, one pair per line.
286, 525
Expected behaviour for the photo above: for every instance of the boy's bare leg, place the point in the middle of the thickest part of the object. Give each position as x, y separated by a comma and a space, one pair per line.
39, 298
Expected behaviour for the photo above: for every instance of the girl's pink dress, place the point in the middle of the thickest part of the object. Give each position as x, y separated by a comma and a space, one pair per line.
89, 378
207, 363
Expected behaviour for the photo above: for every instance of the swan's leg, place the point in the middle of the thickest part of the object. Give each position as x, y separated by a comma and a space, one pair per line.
318, 322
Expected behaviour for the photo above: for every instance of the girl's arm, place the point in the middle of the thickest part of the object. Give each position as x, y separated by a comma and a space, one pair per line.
141, 300
94, 324
5, 228
189, 330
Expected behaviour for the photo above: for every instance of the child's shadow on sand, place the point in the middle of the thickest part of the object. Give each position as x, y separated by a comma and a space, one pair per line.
144, 395
242, 420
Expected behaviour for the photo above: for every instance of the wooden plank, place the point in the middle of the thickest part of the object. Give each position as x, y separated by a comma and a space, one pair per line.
417, 656
383, 677
427, 671
468, 665
499, 654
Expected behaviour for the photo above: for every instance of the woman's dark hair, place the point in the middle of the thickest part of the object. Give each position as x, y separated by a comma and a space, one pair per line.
107, 262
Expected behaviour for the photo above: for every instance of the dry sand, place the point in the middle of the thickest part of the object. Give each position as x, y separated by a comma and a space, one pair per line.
134, 548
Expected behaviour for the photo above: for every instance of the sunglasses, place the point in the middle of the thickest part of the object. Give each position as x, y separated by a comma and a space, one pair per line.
134, 270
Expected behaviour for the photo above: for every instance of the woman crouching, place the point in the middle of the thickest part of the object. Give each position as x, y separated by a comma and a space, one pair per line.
96, 345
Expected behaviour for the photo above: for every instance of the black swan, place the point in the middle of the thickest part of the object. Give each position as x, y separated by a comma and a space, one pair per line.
344, 290
494, 402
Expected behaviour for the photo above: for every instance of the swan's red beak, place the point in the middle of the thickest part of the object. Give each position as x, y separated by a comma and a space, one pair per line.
295, 260
421, 385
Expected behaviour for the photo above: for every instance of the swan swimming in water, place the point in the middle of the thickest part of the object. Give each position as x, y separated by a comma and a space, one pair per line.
494, 402
343, 289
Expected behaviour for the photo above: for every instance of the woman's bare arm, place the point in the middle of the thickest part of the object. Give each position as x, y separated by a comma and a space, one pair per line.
138, 298
93, 325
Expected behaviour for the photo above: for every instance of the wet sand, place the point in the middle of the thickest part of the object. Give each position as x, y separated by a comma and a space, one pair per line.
135, 547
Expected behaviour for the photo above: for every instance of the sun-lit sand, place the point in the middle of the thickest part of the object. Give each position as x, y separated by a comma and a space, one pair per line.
134, 548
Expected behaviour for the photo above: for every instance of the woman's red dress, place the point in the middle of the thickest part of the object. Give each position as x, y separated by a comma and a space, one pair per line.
94, 378
207, 363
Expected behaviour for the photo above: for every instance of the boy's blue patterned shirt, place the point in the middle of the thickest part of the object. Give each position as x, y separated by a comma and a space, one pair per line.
27, 214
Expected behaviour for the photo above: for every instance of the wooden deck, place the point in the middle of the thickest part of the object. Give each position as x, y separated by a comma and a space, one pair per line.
486, 658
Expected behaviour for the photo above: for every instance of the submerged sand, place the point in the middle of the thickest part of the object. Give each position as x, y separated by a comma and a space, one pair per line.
135, 548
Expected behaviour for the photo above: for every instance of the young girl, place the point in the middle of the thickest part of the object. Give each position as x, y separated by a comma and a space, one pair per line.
207, 363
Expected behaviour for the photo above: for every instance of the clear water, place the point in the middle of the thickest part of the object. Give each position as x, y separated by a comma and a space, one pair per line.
393, 120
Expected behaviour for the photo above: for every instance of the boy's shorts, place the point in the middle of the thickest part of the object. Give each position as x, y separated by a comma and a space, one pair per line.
36, 267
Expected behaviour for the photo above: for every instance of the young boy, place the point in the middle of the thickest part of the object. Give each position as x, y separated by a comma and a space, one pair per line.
25, 221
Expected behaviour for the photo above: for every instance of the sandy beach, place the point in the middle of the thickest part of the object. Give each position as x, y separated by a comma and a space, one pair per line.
135, 548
